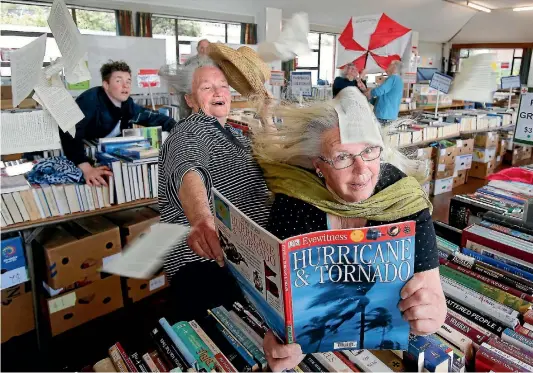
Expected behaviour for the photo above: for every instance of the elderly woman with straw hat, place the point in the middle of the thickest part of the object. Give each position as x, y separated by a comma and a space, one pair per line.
330, 168
202, 152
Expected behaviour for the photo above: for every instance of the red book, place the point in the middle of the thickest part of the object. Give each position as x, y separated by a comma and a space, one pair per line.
528, 317
497, 241
524, 331
158, 362
515, 351
126, 358
475, 335
487, 361
346, 361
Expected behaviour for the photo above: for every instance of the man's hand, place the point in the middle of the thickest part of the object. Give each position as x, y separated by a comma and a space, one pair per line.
203, 239
423, 303
95, 175
279, 356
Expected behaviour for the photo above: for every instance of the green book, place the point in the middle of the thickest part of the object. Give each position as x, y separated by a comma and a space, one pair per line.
196, 346
498, 295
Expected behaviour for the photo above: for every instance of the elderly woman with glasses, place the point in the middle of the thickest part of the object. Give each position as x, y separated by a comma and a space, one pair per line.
329, 168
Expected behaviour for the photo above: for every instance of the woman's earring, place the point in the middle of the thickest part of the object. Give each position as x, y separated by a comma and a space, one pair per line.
320, 174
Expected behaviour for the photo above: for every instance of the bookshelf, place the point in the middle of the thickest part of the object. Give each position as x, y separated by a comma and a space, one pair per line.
453, 105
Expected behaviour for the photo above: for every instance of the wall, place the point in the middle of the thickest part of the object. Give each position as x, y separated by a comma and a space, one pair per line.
430, 54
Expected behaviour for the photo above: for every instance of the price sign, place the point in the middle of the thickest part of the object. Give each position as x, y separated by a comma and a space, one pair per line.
524, 123
147, 78
277, 78
441, 82
509, 82
301, 83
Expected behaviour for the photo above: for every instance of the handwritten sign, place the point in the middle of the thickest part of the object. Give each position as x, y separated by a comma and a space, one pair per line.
61, 303
157, 282
509, 82
524, 123
441, 82
301, 83
147, 78
277, 78
14, 277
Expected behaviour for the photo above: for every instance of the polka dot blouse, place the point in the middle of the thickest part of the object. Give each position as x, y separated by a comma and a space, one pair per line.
290, 217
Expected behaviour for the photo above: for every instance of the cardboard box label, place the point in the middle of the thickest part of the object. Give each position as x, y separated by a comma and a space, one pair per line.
59, 304
459, 143
14, 277
443, 152
157, 282
441, 167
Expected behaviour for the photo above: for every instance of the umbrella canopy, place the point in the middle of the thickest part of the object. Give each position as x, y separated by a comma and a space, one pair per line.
372, 42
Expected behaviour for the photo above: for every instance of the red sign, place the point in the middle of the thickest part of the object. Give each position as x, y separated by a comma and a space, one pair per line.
506, 65
148, 78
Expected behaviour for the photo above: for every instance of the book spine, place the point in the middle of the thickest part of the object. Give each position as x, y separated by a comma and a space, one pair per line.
104, 365
524, 331
38, 203
508, 358
51, 200
517, 340
331, 362
506, 230
117, 359
488, 280
150, 363
512, 350
476, 337
12, 207
505, 277
367, 361
126, 358
478, 318
502, 313
346, 361
223, 316
238, 347
168, 350
498, 264
457, 338
499, 295
528, 317
287, 296
138, 362
21, 207
502, 257
29, 203
161, 366
247, 330
198, 349
250, 319
471, 324
223, 363
182, 348
314, 364
490, 362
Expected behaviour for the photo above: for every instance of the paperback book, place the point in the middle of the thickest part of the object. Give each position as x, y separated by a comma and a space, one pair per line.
327, 291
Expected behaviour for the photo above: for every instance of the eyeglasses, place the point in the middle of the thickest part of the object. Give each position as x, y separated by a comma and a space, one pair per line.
345, 160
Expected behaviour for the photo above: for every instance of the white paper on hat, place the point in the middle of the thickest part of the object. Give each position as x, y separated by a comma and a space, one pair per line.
357, 122
292, 41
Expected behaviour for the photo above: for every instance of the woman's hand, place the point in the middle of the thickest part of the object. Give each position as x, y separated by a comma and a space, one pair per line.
423, 303
280, 356
203, 239
95, 175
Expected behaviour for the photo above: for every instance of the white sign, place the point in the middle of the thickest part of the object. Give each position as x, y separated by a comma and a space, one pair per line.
301, 83
148, 78
441, 82
524, 123
509, 82
277, 78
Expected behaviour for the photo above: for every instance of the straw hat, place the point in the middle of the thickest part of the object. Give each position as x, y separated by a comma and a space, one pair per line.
244, 69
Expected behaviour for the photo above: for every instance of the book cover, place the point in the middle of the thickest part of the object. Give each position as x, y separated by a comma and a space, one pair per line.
168, 350
328, 290
193, 343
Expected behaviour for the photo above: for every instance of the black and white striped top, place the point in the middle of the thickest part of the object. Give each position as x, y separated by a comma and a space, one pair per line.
222, 156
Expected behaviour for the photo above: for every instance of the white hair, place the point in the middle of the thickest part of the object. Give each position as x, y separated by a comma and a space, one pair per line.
398, 65
345, 69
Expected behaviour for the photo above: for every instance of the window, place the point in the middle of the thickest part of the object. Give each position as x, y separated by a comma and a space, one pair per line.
321, 60
189, 31
23, 23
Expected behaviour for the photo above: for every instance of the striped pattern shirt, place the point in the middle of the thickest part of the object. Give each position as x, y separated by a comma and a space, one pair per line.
222, 157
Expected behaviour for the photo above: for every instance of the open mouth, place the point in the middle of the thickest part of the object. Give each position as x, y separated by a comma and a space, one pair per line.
359, 186
218, 103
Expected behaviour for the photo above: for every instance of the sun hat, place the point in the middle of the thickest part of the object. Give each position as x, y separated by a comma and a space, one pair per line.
245, 70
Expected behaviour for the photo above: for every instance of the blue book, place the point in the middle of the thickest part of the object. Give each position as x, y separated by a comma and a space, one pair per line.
330, 290
517, 339
427, 354
497, 263
179, 343
114, 146
106, 159
237, 346
195, 345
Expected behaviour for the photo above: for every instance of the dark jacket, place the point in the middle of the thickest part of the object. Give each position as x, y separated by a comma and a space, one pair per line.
101, 117
340, 83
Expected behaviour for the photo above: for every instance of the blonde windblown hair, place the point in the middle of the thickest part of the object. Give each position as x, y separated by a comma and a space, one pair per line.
297, 140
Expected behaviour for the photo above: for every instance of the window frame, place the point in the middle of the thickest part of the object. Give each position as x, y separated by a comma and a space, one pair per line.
319, 53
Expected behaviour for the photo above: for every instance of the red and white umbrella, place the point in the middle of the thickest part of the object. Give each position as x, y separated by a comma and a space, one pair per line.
372, 42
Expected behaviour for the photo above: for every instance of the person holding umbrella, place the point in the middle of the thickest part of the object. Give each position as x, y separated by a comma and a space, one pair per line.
349, 77
388, 94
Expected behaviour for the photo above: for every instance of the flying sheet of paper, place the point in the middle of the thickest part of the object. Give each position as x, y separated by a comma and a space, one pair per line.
26, 65
68, 39
145, 256
28, 131
81, 73
477, 80
58, 101
292, 41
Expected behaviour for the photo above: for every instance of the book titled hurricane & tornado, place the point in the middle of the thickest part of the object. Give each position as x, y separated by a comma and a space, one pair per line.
327, 291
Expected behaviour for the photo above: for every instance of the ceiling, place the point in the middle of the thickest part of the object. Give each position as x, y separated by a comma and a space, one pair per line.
435, 20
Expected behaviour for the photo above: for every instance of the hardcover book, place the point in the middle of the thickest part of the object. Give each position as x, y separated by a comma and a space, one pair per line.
327, 291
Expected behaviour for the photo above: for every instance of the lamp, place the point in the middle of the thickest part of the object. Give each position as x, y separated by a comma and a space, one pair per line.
478, 7
523, 8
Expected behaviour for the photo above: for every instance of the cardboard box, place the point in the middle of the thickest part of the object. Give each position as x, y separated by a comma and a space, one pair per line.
446, 155
6, 93
76, 307
27, 103
140, 289
465, 146
425, 153
134, 223
14, 269
519, 153
75, 251
501, 147
441, 186
482, 170
460, 178
17, 311
486, 140
463, 162
484, 155
499, 160
443, 171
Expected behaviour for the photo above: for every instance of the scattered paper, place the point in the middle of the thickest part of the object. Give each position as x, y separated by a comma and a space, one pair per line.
58, 101
292, 41
29, 131
477, 79
68, 39
81, 73
145, 256
26, 65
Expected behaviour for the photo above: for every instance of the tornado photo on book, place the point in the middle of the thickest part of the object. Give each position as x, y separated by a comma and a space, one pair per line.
327, 291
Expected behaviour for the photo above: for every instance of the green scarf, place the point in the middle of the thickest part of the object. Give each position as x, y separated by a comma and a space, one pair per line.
399, 200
